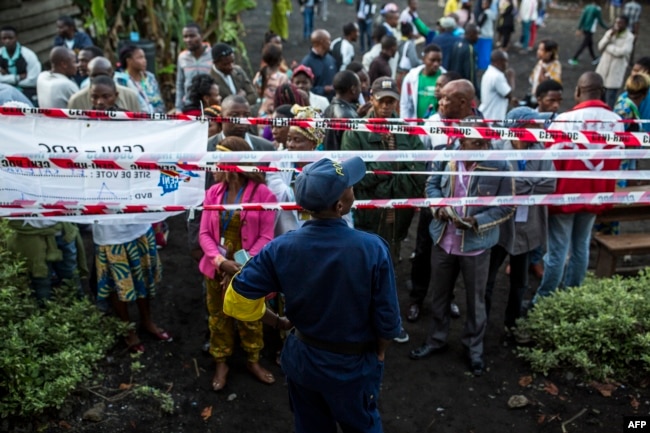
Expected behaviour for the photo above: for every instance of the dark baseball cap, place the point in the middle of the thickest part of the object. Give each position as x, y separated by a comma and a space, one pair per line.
322, 183
221, 50
384, 86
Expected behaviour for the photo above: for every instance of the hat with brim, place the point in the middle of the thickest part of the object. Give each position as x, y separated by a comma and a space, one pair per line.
389, 7
384, 86
304, 70
447, 23
520, 116
321, 183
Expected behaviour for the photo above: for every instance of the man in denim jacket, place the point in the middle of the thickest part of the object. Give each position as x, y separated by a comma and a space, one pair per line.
462, 240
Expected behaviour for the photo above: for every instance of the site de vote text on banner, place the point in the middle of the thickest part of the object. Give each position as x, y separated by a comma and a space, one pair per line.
86, 184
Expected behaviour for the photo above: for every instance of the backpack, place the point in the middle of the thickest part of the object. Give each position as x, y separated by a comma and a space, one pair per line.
335, 51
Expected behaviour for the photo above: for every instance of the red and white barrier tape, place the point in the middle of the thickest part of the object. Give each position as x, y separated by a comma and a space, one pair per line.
122, 115
26, 208
205, 160
380, 126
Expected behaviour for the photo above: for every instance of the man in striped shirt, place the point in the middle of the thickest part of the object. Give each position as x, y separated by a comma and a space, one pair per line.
196, 59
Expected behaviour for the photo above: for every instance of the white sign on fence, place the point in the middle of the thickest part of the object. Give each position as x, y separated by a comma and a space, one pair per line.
91, 185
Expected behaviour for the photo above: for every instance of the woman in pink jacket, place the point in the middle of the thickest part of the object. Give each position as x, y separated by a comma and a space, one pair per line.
222, 234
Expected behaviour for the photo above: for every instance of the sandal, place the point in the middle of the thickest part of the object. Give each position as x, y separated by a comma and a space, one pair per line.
134, 344
161, 335
260, 373
136, 348
220, 375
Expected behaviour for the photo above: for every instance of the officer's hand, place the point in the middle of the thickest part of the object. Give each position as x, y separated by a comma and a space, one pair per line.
284, 324
230, 267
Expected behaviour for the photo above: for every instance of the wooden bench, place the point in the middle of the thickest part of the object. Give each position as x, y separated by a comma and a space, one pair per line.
610, 247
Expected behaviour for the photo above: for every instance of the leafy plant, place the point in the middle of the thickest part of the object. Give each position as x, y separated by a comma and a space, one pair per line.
165, 399
600, 329
45, 352
162, 21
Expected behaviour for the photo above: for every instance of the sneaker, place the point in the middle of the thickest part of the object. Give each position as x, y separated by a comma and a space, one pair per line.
454, 311
403, 336
595, 61
573, 62
522, 337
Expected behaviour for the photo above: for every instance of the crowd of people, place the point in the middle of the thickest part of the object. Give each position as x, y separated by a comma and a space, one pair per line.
462, 77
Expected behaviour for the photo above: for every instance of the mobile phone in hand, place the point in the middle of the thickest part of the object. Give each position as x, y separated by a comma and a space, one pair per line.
242, 257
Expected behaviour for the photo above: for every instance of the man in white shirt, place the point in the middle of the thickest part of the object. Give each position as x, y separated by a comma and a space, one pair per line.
342, 48
497, 87
56, 86
410, 12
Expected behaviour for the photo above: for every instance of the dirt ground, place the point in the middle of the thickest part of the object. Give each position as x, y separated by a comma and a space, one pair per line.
433, 395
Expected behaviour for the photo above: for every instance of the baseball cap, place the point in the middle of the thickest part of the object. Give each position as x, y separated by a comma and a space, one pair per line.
520, 116
321, 183
221, 50
384, 86
447, 22
305, 70
389, 7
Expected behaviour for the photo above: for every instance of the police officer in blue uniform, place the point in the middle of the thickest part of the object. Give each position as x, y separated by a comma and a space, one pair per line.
341, 301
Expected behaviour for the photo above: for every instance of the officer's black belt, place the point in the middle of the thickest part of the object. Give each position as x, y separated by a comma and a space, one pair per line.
341, 348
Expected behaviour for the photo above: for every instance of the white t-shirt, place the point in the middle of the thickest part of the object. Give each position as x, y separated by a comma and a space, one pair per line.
487, 29
370, 56
318, 101
494, 89
405, 16
117, 234
347, 53
54, 90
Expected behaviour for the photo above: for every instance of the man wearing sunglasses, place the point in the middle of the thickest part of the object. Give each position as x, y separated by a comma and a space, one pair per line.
231, 79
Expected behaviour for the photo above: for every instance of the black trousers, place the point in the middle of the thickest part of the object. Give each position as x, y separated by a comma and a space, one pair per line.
587, 42
518, 282
421, 262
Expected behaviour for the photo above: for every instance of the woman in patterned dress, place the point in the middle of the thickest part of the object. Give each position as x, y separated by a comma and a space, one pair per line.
221, 235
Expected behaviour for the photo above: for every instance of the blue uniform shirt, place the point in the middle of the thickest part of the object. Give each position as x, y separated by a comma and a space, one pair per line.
338, 282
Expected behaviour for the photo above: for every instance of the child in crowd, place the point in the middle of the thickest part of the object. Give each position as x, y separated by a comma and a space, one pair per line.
548, 66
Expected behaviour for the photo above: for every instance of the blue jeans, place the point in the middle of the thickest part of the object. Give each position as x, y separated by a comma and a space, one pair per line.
525, 33
308, 22
365, 33
65, 269
567, 234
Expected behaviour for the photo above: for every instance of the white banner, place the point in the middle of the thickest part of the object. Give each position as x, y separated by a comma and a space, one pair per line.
92, 183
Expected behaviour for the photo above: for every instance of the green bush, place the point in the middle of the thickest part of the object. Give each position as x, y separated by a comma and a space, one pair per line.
45, 352
601, 330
